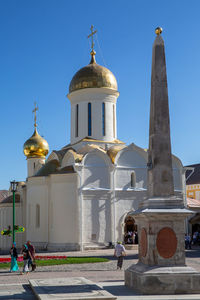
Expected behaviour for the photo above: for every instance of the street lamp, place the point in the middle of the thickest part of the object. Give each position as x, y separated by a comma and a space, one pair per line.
13, 189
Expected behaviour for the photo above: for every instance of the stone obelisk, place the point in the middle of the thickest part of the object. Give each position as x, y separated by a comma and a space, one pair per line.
160, 218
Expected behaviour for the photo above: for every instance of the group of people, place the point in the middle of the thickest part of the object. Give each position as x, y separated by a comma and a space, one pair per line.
28, 253
131, 237
192, 239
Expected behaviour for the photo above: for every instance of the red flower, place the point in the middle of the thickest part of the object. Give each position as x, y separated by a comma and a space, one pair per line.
45, 257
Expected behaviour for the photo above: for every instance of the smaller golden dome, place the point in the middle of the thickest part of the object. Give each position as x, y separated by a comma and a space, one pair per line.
93, 76
36, 146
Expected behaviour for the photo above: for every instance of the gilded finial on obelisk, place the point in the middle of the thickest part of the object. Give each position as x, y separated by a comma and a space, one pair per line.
91, 35
158, 30
34, 111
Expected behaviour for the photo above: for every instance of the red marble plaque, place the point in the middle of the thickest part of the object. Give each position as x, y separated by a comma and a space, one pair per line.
143, 242
166, 242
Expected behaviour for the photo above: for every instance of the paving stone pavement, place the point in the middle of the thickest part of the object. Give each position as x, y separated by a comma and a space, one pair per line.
15, 286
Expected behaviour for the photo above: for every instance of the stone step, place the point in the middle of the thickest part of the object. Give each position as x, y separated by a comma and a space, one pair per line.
74, 288
131, 247
94, 246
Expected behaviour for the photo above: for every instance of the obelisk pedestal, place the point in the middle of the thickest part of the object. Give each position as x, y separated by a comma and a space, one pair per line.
161, 268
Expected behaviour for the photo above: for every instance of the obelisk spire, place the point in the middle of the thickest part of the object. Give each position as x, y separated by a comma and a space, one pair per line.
160, 176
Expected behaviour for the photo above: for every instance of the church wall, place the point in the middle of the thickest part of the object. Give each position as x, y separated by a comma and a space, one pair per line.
126, 201
96, 217
37, 195
109, 124
97, 119
34, 164
123, 178
6, 211
130, 161
96, 172
63, 213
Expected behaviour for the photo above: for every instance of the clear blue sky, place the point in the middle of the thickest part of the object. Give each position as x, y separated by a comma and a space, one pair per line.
44, 42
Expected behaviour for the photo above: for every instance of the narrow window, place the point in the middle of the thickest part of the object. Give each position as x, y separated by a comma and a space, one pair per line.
133, 179
89, 119
37, 216
76, 121
103, 119
114, 121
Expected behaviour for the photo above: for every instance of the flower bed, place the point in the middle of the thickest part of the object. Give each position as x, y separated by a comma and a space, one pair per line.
38, 257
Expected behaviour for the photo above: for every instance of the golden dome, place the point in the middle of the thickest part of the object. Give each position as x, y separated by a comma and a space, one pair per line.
36, 146
158, 30
93, 76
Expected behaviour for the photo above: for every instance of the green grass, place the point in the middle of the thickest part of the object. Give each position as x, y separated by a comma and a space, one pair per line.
64, 261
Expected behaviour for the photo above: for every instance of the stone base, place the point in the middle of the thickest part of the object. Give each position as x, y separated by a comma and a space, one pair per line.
76, 288
157, 280
63, 247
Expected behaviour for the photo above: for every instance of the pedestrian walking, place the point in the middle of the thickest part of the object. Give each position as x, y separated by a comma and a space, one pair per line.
31, 261
188, 241
26, 255
13, 252
119, 253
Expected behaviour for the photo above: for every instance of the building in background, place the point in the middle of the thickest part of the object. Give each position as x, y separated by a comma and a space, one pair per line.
193, 195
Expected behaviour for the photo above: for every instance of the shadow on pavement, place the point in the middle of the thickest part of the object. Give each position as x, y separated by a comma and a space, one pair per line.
27, 294
192, 253
120, 290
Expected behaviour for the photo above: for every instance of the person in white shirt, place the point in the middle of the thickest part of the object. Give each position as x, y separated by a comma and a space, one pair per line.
119, 253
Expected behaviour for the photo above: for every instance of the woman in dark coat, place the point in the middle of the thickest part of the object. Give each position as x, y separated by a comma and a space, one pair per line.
13, 252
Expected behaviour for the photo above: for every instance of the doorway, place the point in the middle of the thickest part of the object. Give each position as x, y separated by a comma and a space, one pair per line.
130, 231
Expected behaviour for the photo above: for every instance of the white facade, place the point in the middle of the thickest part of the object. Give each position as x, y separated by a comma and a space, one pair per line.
33, 165
85, 202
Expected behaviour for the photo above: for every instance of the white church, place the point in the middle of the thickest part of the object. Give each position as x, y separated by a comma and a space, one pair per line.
82, 195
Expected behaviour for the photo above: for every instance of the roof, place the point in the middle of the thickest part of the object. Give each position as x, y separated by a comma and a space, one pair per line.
113, 151
195, 219
49, 168
9, 199
93, 76
3, 195
52, 167
193, 176
192, 203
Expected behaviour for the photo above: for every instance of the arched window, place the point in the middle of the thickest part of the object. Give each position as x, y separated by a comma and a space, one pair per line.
114, 133
133, 179
76, 121
89, 119
37, 220
103, 119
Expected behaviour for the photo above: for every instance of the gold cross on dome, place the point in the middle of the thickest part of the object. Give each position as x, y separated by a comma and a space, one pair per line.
91, 35
34, 111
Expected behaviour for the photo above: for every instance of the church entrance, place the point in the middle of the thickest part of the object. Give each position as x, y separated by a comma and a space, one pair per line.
130, 231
